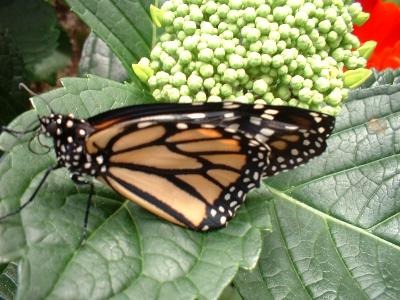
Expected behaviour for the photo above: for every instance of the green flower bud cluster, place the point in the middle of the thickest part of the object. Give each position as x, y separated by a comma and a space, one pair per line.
265, 51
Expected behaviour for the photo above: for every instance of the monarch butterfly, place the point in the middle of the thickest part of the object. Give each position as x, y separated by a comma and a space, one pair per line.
190, 164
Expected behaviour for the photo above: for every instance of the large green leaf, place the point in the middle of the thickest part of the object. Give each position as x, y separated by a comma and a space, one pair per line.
336, 220
12, 72
32, 25
129, 252
98, 59
8, 281
125, 26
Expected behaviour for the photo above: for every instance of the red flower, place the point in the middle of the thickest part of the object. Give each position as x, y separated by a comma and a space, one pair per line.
383, 27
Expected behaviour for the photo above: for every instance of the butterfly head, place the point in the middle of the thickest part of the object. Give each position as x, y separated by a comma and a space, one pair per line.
69, 135
60, 126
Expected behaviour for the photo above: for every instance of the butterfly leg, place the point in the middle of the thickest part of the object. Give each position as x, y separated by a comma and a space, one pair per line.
85, 222
81, 181
48, 171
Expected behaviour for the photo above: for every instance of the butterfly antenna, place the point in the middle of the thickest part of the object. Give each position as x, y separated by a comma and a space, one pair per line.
48, 171
17, 132
37, 135
23, 86
30, 145
43, 145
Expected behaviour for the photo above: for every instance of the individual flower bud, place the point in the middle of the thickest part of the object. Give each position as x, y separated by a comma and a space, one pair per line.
339, 26
301, 18
354, 9
152, 82
367, 49
157, 94
206, 70
200, 97
142, 72
322, 84
194, 82
303, 105
317, 98
260, 87
304, 42
268, 97
297, 82
219, 53
228, 46
294, 4
216, 90
214, 99
226, 90
223, 10
178, 79
185, 57
305, 94
254, 59
293, 102
162, 78
189, 27
269, 47
157, 15
335, 97
211, 7
283, 92
173, 94
281, 12
277, 61
324, 26
205, 55
195, 14
209, 83
278, 101
190, 43
221, 68
185, 99
253, 34
229, 75
263, 25
354, 78
184, 90
263, 10
361, 18
235, 61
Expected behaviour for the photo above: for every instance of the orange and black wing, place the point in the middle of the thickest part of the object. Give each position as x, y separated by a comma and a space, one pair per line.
193, 164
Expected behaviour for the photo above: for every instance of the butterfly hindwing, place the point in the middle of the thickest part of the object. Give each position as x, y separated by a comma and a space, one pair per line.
194, 164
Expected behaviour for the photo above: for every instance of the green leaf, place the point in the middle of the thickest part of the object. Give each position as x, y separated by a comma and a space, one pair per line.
12, 99
125, 26
336, 220
129, 252
8, 281
98, 59
32, 25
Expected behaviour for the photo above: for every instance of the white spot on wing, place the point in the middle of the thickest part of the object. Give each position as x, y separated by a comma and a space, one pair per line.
271, 111
267, 117
144, 124
196, 116
181, 126
267, 131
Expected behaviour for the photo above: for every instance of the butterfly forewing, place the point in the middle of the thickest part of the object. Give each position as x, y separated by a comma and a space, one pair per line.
193, 164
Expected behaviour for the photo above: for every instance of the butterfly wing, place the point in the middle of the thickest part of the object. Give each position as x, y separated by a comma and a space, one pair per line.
193, 164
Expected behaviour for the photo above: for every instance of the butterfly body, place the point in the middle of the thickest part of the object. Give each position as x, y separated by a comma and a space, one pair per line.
189, 164
69, 136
